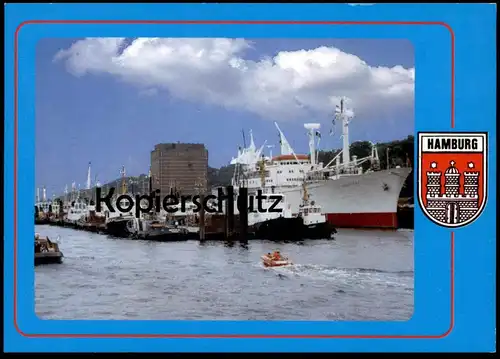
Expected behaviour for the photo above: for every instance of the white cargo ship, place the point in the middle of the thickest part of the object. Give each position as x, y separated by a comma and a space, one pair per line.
349, 196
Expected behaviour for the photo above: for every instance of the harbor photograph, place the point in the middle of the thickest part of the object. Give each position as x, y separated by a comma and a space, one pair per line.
224, 179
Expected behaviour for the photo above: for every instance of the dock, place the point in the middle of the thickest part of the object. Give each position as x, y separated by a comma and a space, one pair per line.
225, 226
216, 232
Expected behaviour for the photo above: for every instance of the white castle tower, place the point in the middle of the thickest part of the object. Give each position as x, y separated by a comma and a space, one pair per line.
471, 181
433, 182
452, 181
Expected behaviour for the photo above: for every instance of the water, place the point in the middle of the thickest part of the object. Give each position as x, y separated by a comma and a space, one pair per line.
362, 275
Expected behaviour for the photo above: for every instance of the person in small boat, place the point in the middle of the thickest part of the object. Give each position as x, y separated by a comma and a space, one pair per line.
269, 255
276, 256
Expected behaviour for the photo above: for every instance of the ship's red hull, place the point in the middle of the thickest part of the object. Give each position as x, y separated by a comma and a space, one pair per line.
363, 220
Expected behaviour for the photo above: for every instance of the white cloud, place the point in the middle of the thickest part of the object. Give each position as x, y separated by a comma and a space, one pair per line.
290, 85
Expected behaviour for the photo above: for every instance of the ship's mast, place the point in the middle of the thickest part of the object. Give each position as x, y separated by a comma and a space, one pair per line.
270, 147
341, 114
262, 170
150, 181
124, 183
89, 181
44, 194
38, 195
252, 143
312, 133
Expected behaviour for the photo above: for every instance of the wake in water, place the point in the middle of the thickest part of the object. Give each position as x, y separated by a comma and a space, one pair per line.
361, 277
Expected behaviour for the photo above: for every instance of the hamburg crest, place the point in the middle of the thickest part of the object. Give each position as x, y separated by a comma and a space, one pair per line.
452, 176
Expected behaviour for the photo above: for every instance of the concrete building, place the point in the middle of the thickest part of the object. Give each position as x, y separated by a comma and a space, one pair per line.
179, 166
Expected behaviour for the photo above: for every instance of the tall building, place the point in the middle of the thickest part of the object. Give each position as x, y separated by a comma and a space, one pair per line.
181, 167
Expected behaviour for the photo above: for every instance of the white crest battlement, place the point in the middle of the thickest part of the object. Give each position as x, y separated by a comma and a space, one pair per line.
457, 196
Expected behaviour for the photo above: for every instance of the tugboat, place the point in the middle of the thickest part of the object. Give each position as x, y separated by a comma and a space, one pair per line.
46, 251
275, 226
315, 223
77, 212
122, 225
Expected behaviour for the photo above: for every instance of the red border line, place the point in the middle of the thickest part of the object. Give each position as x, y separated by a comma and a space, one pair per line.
223, 22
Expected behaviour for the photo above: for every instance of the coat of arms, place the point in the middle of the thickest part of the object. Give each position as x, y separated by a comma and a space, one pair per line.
452, 176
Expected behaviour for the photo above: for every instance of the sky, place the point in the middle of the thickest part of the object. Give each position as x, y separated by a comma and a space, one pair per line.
108, 101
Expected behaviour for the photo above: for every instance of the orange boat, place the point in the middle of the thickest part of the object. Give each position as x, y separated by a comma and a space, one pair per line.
269, 262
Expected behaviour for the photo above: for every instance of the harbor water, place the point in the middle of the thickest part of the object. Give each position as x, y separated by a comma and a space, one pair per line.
362, 275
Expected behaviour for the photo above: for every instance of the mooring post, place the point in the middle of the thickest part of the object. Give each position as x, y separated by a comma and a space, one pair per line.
200, 186
202, 219
243, 209
230, 211
226, 219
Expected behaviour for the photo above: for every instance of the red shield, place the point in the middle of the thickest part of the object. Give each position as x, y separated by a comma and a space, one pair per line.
452, 176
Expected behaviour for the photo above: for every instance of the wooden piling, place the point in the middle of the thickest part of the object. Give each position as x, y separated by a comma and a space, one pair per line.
230, 211
202, 219
226, 220
243, 210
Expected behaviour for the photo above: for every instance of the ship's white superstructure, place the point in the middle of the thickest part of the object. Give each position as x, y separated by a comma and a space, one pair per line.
45, 207
348, 195
77, 211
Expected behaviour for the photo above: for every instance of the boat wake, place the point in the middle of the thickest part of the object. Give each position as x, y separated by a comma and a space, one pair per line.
348, 276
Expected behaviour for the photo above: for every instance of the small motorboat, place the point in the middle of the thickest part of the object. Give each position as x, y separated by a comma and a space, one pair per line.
269, 262
46, 251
